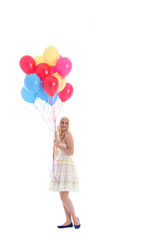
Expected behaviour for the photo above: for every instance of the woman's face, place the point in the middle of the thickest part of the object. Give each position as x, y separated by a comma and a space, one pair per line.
64, 124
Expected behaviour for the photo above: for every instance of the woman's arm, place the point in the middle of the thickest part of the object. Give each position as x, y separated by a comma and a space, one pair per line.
70, 144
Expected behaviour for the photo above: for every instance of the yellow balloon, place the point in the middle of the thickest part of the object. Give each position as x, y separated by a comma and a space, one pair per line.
39, 59
61, 80
51, 55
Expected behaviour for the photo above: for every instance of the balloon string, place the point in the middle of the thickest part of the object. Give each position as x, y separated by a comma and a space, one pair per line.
51, 115
54, 112
49, 119
44, 109
54, 120
53, 168
42, 116
60, 103
51, 100
50, 110
55, 135
55, 108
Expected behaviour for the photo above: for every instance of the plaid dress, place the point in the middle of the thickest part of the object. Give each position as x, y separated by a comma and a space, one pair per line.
65, 177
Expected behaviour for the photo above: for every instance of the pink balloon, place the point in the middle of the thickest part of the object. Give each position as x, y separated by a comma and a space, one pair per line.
66, 93
53, 68
63, 66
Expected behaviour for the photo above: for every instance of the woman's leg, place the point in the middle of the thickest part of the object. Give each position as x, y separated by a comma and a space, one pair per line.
69, 206
68, 215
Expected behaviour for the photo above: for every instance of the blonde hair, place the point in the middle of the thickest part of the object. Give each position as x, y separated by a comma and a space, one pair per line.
60, 134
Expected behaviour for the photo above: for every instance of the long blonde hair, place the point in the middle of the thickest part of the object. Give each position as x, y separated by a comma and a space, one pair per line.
60, 134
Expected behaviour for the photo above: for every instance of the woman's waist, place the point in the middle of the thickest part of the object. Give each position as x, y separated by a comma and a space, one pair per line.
64, 157
64, 161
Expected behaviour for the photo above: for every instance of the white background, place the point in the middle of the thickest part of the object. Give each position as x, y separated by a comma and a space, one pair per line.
118, 114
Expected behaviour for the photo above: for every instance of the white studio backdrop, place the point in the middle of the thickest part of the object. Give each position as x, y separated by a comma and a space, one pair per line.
118, 114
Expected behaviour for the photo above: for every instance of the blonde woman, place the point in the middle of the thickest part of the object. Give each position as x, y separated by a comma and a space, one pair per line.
65, 172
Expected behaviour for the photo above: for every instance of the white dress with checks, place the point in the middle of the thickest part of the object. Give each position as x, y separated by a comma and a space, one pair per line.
65, 176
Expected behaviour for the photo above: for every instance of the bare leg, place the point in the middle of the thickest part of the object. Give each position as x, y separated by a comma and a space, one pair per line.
69, 206
68, 215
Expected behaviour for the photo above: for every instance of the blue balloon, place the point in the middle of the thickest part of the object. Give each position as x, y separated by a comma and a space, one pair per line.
41, 94
52, 100
32, 83
28, 96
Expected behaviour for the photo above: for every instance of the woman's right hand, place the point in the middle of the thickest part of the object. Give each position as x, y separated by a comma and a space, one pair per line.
56, 142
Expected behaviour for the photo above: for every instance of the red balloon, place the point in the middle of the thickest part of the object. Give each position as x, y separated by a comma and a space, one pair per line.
52, 69
50, 85
27, 64
66, 93
63, 66
43, 70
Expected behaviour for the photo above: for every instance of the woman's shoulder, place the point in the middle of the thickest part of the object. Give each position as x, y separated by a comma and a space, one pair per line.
68, 135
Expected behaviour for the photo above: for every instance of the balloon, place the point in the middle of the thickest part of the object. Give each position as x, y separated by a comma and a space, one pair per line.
63, 66
43, 70
53, 68
39, 59
51, 55
32, 83
28, 96
27, 64
52, 100
62, 81
50, 85
66, 93
41, 94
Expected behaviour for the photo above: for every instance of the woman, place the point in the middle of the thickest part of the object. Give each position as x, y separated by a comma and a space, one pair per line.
66, 178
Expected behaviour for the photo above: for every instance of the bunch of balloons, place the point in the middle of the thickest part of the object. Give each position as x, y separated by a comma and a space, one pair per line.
45, 83
46, 77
